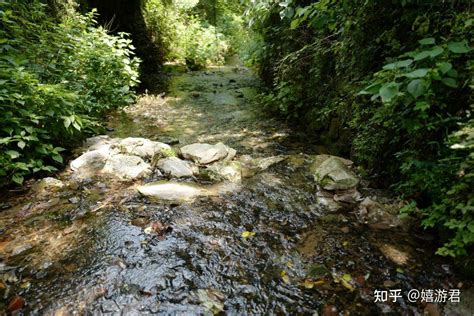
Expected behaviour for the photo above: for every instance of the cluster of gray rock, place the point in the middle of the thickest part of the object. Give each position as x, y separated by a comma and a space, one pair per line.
135, 158
338, 190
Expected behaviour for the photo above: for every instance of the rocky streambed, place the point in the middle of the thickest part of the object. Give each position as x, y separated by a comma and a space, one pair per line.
198, 203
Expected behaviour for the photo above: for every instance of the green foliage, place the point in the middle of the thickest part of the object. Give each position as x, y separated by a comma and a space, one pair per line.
56, 80
424, 95
190, 34
404, 125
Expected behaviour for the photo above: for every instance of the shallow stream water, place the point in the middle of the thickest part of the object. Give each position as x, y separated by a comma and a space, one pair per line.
84, 249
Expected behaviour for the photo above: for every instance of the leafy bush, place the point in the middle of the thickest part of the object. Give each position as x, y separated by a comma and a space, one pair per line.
204, 46
317, 56
422, 102
56, 80
188, 34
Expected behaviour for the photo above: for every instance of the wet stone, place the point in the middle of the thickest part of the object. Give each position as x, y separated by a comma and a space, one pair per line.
175, 167
381, 215
90, 163
48, 185
333, 173
127, 167
172, 191
141, 147
224, 171
206, 153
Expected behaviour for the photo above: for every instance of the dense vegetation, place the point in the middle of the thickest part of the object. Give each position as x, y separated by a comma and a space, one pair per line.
387, 83
391, 79
57, 78
199, 33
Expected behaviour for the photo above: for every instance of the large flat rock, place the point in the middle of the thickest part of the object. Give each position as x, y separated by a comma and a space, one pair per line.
175, 167
206, 153
141, 147
172, 191
127, 167
122, 158
183, 192
224, 171
90, 163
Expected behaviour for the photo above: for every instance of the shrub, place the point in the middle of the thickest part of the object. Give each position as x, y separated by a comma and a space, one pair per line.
413, 129
190, 34
56, 81
423, 96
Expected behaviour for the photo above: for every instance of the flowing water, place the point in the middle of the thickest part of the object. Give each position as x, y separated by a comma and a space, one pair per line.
263, 248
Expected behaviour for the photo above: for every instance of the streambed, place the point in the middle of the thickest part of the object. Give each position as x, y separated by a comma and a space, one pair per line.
264, 247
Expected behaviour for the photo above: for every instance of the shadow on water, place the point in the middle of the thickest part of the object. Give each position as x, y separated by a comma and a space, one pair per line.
265, 248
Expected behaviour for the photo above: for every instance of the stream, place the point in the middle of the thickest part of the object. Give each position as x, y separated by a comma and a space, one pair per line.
262, 247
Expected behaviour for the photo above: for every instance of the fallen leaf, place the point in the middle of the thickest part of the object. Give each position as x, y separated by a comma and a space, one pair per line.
345, 280
347, 277
360, 280
16, 303
285, 277
247, 234
347, 285
320, 282
309, 284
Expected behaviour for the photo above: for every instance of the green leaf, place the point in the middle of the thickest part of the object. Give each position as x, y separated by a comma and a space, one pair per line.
398, 64
422, 55
452, 73
58, 158
13, 154
459, 47
372, 89
450, 82
422, 106
404, 63
388, 91
389, 66
444, 67
436, 51
427, 41
18, 179
5, 140
49, 168
21, 144
417, 87
418, 73
67, 122
76, 125
294, 24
